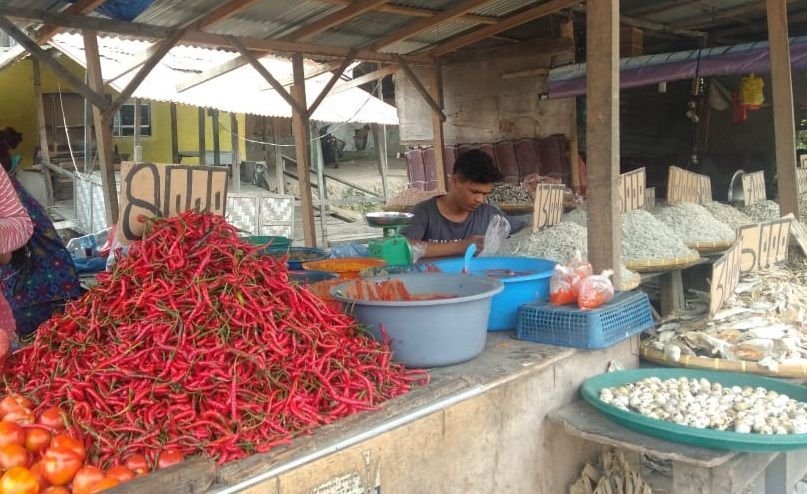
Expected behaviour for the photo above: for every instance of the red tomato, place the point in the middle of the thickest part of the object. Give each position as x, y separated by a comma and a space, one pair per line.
13, 455
137, 463
18, 480
11, 402
36, 471
60, 464
56, 489
60, 440
54, 418
170, 457
11, 433
36, 439
121, 473
86, 478
103, 485
20, 415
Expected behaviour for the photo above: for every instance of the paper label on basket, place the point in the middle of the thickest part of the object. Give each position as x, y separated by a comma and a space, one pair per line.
548, 206
154, 189
763, 244
725, 276
632, 190
754, 188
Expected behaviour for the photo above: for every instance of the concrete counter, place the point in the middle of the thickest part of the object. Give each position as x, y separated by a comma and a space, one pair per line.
477, 427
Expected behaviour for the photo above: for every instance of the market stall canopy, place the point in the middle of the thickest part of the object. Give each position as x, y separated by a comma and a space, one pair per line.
241, 91
746, 58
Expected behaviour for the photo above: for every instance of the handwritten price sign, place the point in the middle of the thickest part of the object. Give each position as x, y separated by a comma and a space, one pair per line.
686, 186
548, 207
632, 190
764, 244
725, 276
754, 188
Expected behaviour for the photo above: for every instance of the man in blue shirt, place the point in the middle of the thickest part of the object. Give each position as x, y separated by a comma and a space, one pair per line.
448, 224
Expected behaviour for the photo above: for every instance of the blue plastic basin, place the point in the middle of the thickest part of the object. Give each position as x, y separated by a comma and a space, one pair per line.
518, 290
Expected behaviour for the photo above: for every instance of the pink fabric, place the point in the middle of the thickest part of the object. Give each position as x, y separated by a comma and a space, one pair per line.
15, 224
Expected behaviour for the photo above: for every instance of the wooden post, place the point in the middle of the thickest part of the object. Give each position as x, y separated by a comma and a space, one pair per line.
236, 152
317, 159
436, 92
380, 141
279, 164
44, 152
137, 150
216, 138
302, 138
202, 146
602, 134
174, 135
103, 133
567, 31
783, 119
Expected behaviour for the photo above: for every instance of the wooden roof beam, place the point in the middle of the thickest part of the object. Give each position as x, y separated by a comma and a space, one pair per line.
364, 79
220, 13
341, 16
707, 19
505, 24
660, 28
424, 93
46, 32
322, 94
419, 12
425, 23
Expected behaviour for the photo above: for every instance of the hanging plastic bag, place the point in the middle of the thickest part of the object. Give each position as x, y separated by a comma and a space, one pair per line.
418, 249
595, 290
580, 269
561, 286
751, 94
497, 233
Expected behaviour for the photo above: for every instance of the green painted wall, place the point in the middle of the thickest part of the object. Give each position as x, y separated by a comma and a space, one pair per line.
17, 109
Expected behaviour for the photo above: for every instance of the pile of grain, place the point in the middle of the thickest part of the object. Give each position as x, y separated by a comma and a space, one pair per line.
646, 238
762, 211
578, 216
727, 214
693, 224
557, 243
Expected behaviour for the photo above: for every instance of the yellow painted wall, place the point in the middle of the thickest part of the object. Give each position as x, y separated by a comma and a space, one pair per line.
17, 109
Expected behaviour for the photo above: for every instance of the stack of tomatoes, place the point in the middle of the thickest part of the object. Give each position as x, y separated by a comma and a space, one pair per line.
38, 457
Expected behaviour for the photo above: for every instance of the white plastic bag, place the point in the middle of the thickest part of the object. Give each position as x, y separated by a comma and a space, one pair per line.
497, 233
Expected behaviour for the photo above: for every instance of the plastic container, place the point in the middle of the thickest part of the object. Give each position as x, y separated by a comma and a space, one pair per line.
307, 277
704, 438
298, 255
345, 267
625, 315
430, 333
518, 290
275, 243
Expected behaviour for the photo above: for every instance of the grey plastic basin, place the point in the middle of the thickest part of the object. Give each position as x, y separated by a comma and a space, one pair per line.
430, 333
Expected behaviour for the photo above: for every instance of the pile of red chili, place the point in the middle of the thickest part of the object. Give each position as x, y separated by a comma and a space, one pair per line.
196, 342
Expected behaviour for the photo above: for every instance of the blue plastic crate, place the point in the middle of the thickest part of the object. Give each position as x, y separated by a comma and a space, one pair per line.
627, 314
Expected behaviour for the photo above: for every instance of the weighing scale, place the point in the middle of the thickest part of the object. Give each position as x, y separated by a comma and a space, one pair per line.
392, 247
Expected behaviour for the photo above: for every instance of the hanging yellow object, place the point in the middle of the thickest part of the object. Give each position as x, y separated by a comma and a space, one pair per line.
751, 91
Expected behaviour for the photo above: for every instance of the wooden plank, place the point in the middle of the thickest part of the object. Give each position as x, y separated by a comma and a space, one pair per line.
604, 229
279, 163
783, 119
301, 131
220, 13
364, 79
96, 98
331, 82
632, 190
754, 188
671, 286
425, 23
264, 72
725, 276
764, 244
235, 142
214, 121
341, 16
103, 126
46, 32
516, 20
42, 132
202, 117
438, 135
174, 134
548, 206
424, 93
421, 12
567, 32
192, 476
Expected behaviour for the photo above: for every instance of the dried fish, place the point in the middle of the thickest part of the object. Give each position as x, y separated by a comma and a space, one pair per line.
409, 197
727, 214
645, 237
762, 211
694, 224
505, 193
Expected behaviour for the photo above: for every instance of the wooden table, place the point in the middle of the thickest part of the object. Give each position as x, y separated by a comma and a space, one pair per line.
694, 469
671, 284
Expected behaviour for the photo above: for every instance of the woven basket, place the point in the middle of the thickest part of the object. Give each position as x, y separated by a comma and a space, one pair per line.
689, 362
704, 247
515, 208
650, 265
632, 282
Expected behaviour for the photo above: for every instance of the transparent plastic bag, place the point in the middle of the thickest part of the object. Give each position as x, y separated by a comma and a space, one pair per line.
497, 233
595, 290
418, 249
580, 269
561, 286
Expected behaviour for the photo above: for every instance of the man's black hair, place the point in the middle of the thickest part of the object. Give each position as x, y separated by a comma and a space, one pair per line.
477, 166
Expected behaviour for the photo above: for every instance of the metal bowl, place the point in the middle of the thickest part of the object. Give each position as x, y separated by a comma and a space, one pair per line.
388, 218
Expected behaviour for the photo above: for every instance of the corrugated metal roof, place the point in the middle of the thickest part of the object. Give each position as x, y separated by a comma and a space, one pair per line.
240, 91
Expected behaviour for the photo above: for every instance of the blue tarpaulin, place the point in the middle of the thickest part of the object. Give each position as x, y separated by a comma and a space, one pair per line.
124, 10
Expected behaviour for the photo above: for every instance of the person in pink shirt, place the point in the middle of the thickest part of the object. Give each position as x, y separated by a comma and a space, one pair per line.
16, 228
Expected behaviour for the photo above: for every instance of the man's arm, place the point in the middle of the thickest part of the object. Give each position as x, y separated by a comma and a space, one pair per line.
15, 224
447, 249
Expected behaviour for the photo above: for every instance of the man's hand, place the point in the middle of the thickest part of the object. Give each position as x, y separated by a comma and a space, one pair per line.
479, 240
5, 258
